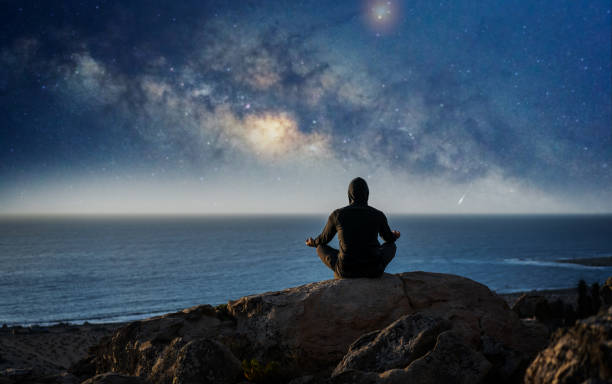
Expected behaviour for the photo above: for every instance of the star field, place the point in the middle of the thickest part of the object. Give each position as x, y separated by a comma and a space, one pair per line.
450, 106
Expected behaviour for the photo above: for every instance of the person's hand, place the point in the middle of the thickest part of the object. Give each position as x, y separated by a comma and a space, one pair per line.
396, 234
310, 242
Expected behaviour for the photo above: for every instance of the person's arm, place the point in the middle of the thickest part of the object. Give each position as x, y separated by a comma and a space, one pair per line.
327, 235
385, 232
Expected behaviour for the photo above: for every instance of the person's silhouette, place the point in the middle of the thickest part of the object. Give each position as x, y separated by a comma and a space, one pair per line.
358, 226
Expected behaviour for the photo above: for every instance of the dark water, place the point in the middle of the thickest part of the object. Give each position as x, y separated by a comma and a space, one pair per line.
115, 269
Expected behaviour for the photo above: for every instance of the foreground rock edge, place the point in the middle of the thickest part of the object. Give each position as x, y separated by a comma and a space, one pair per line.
307, 330
579, 354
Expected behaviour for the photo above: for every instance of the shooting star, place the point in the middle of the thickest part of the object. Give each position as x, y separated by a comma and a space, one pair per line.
461, 199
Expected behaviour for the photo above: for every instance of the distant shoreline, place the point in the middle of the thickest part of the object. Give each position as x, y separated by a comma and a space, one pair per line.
590, 262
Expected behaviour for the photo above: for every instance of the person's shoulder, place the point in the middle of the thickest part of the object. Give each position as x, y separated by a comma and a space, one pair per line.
340, 211
336, 212
377, 212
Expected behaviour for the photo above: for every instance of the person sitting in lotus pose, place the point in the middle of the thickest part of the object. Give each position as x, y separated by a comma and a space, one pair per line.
358, 226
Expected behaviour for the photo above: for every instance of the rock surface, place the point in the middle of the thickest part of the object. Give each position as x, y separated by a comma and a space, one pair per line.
316, 323
448, 327
582, 353
421, 346
173, 348
405, 340
203, 361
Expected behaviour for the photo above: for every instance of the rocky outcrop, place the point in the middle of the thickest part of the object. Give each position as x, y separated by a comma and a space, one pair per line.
580, 354
315, 324
450, 360
405, 340
414, 348
395, 328
174, 348
202, 361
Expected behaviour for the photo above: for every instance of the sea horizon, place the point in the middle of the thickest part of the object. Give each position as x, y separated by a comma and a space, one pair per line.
113, 268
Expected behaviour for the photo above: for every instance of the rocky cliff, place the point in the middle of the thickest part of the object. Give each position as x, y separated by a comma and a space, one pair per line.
417, 326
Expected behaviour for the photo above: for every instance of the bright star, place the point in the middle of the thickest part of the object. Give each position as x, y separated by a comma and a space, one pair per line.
381, 11
381, 16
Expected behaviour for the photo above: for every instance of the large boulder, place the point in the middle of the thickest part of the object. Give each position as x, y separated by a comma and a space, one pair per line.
175, 348
450, 360
311, 327
580, 354
315, 323
414, 348
405, 340
307, 330
201, 361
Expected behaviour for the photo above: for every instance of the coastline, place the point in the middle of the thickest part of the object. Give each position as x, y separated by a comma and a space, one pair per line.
50, 350
605, 261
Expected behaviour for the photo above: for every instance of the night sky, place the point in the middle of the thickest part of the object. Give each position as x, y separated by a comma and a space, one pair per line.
274, 106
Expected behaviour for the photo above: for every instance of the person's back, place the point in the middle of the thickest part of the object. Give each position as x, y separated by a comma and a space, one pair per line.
358, 226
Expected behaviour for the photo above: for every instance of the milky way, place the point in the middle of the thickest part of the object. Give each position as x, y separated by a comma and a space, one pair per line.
452, 106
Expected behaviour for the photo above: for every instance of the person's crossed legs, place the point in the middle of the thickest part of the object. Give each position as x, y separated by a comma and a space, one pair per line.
387, 253
328, 255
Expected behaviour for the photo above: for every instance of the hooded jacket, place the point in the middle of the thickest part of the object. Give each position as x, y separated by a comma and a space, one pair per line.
358, 226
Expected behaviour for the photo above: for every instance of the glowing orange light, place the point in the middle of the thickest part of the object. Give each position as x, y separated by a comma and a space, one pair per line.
275, 135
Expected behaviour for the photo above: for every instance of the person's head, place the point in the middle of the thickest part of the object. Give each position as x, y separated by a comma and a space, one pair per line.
358, 191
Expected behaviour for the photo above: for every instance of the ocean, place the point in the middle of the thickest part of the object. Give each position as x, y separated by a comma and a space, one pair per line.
111, 269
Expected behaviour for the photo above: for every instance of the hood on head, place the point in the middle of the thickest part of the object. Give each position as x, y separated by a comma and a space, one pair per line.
358, 191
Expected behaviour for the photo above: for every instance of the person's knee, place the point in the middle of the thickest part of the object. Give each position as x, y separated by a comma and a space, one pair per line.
328, 255
320, 250
388, 252
324, 252
391, 247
